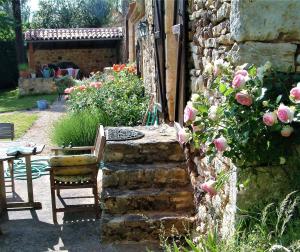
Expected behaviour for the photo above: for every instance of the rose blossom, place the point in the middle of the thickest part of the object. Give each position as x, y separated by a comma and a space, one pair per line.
285, 114
269, 118
96, 84
209, 187
244, 98
238, 81
189, 113
295, 93
220, 144
212, 112
242, 72
195, 97
183, 136
287, 131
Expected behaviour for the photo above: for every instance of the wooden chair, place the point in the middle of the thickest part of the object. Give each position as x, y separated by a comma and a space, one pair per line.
7, 131
76, 171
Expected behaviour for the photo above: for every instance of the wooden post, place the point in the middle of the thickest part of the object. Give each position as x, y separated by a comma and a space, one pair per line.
31, 56
2, 189
29, 179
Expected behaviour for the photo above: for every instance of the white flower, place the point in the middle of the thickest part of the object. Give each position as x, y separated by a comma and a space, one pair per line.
208, 69
195, 97
212, 112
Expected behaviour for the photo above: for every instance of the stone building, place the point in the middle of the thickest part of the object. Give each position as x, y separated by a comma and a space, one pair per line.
182, 38
91, 49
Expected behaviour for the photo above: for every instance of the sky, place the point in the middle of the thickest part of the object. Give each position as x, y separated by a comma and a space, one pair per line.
33, 4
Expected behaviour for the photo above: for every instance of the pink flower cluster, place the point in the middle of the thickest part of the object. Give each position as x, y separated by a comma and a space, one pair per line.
190, 113
295, 94
244, 98
240, 78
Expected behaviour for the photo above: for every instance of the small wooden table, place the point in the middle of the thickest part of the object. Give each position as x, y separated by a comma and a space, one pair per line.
31, 203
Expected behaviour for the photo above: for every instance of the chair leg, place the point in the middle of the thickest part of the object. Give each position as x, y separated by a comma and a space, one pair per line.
58, 192
53, 201
97, 209
11, 171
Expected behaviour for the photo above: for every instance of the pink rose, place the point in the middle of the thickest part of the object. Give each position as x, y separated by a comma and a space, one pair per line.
287, 131
209, 187
295, 93
239, 81
269, 118
285, 114
197, 128
96, 84
189, 113
220, 144
242, 72
243, 98
183, 136
67, 91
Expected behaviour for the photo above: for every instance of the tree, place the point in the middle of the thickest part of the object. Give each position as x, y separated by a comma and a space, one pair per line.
70, 13
16, 6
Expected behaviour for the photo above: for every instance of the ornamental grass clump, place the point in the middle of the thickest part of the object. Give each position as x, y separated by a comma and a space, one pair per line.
249, 114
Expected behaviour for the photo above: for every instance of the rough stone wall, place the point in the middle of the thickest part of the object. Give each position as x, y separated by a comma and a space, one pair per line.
36, 86
252, 31
88, 60
148, 52
211, 40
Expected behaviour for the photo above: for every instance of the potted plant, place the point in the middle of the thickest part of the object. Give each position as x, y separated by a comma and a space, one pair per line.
32, 73
23, 70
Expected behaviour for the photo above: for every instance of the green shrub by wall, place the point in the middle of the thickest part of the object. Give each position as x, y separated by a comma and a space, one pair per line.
8, 65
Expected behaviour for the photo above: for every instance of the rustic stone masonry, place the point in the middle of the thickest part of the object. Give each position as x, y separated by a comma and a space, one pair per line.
36, 86
242, 31
146, 190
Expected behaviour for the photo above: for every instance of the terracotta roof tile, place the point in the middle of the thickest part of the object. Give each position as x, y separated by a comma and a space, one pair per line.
74, 34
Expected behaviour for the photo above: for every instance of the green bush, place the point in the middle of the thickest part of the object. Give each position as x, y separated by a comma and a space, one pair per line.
79, 129
119, 96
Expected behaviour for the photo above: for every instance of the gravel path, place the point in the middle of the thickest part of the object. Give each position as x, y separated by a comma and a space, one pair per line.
40, 131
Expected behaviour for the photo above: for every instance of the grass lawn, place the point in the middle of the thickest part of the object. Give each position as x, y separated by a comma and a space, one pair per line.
21, 120
10, 100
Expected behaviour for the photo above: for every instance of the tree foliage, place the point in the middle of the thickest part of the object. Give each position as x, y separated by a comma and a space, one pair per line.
69, 13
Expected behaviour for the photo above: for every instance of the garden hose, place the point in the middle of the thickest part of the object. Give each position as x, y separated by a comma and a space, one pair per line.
38, 168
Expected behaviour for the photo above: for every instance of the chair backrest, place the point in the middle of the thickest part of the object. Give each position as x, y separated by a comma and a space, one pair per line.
7, 131
100, 143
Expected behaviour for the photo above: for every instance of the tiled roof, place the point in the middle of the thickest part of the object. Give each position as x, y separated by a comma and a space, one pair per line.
74, 34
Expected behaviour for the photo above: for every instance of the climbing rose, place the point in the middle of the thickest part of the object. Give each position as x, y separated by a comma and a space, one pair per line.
295, 93
220, 144
269, 118
189, 113
183, 136
240, 79
212, 112
287, 131
285, 114
244, 98
209, 187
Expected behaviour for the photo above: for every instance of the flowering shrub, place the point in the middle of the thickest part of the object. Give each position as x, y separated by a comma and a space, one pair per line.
119, 95
249, 114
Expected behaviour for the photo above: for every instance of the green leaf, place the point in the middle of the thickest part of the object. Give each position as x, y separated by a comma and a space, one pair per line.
203, 108
192, 246
278, 98
229, 91
222, 88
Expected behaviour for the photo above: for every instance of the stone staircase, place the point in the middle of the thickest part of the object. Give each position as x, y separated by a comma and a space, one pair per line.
145, 188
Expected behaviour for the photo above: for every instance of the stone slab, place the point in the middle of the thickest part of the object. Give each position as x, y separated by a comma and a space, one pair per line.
265, 20
144, 175
158, 145
281, 55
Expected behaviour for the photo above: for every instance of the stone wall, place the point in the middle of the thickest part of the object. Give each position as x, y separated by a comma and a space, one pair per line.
36, 86
148, 52
251, 31
88, 60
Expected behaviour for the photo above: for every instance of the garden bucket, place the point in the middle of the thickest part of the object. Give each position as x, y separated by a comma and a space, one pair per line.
42, 104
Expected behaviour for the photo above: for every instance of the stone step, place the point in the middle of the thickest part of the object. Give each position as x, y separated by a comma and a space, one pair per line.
144, 225
150, 199
158, 145
132, 176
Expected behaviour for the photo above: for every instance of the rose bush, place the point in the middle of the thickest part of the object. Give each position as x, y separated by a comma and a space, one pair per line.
248, 114
118, 94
